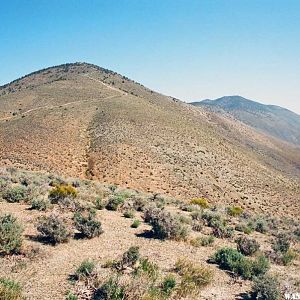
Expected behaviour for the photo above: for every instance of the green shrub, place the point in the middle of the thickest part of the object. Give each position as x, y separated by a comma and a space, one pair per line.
71, 296
260, 266
99, 204
196, 215
53, 229
62, 191
139, 203
266, 288
114, 202
194, 277
281, 244
232, 260
15, 194
261, 225
130, 257
10, 234
10, 290
110, 290
87, 224
148, 268
202, 241
40, 204
207, 240
245, 228
247, 246
288, 257
212, 219
136, 224
202, 202
165, 226
234, 211
222, 231
128, 214
168, 285
85, 269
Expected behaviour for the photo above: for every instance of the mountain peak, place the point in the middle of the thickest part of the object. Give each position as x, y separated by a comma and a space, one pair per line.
270, 119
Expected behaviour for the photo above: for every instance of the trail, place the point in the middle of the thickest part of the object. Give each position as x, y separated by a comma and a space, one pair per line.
70, 103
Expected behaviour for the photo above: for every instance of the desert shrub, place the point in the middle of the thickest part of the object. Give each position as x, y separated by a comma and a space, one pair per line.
15, 194
232, 260
87, 224
85, 269
197, 226
234, 211
151, 212
202, 202
196, 215
114, 202
288, 257
130, 257
135, 224
266, 288
194, 277
261, 225
247, 246
165, 226
99, 204
129, 214
10, 234
212, 219
53, 229
110, 290
10, 290
281, 243
139, 203
40, 204
190, 207
148, 268
207, 240
185, 219
168, 285
245, 228
71, 296
62, 191
222, 231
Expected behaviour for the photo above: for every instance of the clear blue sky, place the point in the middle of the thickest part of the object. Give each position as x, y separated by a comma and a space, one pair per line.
188, 49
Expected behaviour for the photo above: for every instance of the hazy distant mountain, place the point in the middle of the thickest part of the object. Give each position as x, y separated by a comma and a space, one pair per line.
270, 119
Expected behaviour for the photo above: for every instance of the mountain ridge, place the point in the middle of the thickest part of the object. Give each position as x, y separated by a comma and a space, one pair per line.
273, 120
95, 124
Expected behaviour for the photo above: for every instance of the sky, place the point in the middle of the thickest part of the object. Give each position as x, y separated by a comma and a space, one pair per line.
189, 49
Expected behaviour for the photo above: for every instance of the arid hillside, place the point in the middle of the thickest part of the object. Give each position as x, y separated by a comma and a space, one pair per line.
84, 121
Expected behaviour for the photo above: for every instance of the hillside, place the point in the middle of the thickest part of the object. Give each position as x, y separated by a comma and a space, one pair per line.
83, 120
273, 120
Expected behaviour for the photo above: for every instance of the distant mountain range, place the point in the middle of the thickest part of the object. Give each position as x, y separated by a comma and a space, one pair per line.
270, 119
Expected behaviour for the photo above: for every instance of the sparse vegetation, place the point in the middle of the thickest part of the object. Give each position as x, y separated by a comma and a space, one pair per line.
15, 194
232, 260
10, 234
136, 224
164, 225
85, 269
53, 229
87, 224
10, 290
114, 202
234, 211
62, 191
202, 202
194, 277
247, 246
40, 204
266, 288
